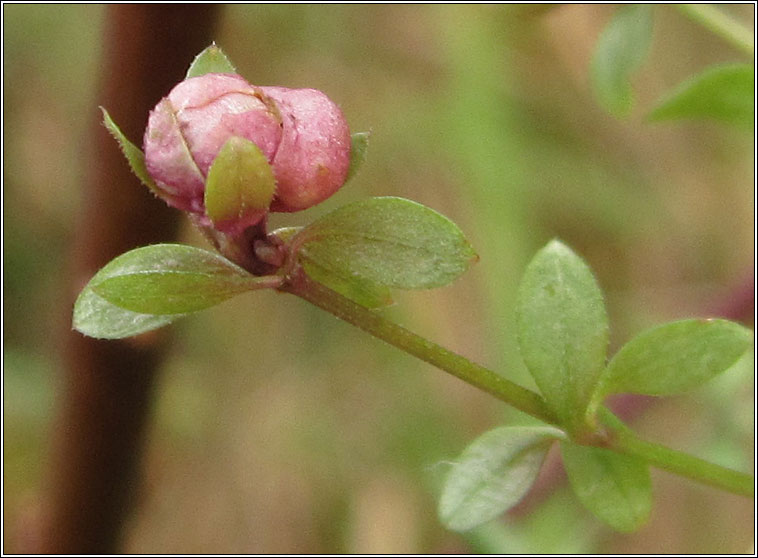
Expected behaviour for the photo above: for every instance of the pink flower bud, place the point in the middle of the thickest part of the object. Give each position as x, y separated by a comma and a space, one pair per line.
302, 134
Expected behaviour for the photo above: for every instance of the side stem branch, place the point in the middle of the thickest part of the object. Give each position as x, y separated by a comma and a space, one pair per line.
619, 437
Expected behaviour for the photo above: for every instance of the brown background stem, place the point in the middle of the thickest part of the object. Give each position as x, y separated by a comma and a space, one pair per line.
106, 386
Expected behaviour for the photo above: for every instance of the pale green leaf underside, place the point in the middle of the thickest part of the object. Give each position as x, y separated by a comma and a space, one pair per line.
212, 60
724, 92
358, 148
133, 154
620, 50
388, 241
240, 182
493, 474
170, 279
675, 357
96, 317
615, 487
562, 329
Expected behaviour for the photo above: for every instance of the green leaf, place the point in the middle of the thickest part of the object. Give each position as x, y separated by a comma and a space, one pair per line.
211, 61
240, 182
620, 50
724, 92
133, 154
493, 474
387, 241
615, 487
358, 148
171, 279
675, 357
562, 330
96, 317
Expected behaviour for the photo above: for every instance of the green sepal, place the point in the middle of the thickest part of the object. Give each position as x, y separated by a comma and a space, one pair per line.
133, 154
240, 182
212, 60
358, 147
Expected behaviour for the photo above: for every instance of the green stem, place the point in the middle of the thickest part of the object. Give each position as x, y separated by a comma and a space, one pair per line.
394, 334
626, 441
619, 438
720, 24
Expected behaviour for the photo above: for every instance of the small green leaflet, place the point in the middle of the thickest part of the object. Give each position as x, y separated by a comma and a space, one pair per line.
240, 182
358, 148
212, 60
562, 330
133, 154
620, 50
493, 474
675, 357
615, 487
155, 284
383, 242
725, 92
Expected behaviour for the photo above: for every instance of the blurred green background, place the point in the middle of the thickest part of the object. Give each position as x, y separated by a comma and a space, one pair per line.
277, 428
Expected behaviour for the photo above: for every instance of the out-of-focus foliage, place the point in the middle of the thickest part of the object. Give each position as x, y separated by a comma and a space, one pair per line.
725, 92
621, 49
278, 429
